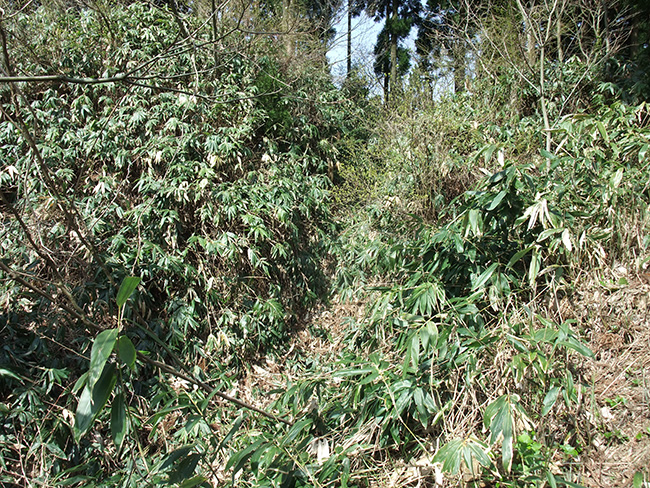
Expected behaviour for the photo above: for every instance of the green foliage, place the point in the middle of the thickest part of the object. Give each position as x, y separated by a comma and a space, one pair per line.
199, 188
187, 215
458, 292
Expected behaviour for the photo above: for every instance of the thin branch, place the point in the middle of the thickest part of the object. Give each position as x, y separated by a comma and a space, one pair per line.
15, 275
208, 389
64, 79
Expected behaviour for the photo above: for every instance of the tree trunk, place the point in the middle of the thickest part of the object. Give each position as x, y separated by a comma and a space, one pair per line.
386, 93
349, 70
542, 99
214, 32
393, 49
287, 26
530, 46
459, 66
558, 38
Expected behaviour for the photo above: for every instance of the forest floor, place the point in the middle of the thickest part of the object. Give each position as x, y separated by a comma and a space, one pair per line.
613, 422
613, 312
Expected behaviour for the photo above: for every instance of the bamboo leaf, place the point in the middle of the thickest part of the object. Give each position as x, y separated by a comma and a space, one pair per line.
602, 130
93, 400
101, 351
128, 286
184, 468
118, 420
549, 399
450, 455
533, 269
497, 200
126, 351
484, 277
83, 416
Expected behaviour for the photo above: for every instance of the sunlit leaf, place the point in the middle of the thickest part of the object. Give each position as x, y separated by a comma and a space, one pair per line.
549, 399
101, 351
128, 286
485, 276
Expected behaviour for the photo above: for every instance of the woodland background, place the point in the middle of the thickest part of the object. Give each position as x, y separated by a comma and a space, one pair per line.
220, 267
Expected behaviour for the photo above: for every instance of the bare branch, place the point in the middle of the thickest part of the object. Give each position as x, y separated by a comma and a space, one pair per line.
64, 79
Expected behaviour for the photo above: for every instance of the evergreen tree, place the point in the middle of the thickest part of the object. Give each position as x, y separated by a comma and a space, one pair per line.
445, 30
391, 61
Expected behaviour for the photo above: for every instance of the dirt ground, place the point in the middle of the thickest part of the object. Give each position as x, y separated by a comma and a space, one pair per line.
614, 314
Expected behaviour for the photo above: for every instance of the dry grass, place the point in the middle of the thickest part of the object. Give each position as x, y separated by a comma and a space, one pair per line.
616, 319
611, 423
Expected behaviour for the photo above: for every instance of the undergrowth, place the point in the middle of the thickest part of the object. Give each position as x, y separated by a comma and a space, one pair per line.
166, 233
468, 359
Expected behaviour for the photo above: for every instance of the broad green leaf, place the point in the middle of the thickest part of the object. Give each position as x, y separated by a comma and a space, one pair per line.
578, 346
473, 218
484, 277
450, 455
497, 200
499, 418
547, 233
547, 155
418, 398
413, 351
602, 130
295, 429
55, 450
488, 151
126, 351
184, 468
80, 383
231, 433
547, 334
637, 481
103, 388
518, 255
84, 414
238, 459
260, 453
128, 286
479, 451
5, 373
549, 399
428, 336
93, 400
551, 479
468, 458
457, 451
369, 379
189, 483
101, 351
175, 455
119, 424
403, 401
